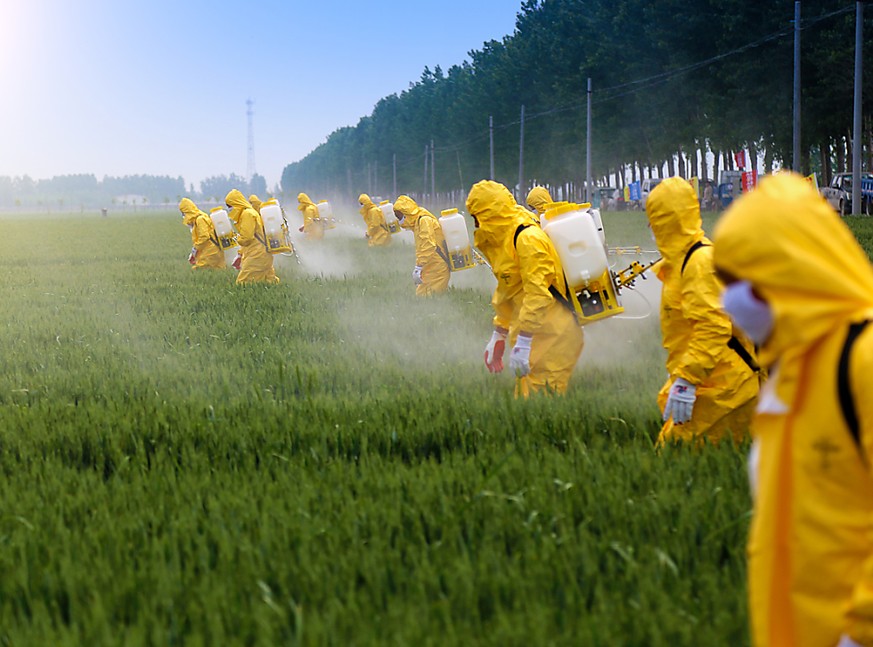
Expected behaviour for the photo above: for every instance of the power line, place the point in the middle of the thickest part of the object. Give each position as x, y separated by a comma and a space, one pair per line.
632, 87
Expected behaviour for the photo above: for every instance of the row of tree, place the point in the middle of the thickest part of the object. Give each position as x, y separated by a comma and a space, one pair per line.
671, 82
82, 191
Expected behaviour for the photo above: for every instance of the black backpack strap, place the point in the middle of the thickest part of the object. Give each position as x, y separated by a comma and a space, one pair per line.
847, 403
443, 252
735, 345
518, 230
690, 251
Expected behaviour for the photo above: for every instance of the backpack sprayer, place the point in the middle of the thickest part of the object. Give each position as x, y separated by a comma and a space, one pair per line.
391, 221
225, 233
325, 214
276, 233
577, 234
461, 255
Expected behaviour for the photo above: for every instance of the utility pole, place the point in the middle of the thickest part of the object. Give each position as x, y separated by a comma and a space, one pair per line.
394, 166
521, 157
796, 128
424, 188
588, 148
432, 173
460, 177
856, 135
491, 140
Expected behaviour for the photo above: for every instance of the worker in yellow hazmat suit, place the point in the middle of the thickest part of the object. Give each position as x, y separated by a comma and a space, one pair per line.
205, 251
377, 230
538, 198
533, 307
313, 227
256, 202
431, 273
256, 263
802, 290
713, 379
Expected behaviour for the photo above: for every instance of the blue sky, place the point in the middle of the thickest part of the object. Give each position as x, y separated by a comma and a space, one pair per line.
123, 87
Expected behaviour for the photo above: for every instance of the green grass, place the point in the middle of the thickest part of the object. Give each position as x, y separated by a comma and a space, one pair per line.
327, 462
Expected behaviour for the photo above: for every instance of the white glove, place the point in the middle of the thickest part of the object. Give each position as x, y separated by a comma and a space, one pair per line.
519, 358
494, 351
192, 257
680, 401
416, 275
845, 641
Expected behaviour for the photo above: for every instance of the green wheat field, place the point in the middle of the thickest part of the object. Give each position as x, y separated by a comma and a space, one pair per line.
328, 462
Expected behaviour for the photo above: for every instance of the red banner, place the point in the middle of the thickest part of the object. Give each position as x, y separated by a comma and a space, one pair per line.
740, 159
750, 180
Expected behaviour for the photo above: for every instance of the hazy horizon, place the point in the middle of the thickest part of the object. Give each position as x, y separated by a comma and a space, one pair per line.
160, 88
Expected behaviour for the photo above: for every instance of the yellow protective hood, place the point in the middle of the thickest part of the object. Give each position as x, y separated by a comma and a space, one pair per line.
237, 203
256, 202
497, 213
538, 198
304, 201
674, 215
410, 210
366, 203
189, 211
786, 241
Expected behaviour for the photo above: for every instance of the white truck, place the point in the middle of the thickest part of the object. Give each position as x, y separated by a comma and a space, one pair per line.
839, 193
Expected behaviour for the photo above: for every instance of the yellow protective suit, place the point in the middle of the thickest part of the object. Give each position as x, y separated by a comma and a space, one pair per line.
377, 230
257, 263
695, 329
538, 198
256, 202
526, 270
430, 246
203, 236
313, 227
811, 541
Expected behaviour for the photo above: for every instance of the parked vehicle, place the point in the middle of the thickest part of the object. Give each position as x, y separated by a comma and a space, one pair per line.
839, 193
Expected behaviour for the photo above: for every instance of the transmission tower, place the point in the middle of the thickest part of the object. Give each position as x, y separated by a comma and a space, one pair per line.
250, 162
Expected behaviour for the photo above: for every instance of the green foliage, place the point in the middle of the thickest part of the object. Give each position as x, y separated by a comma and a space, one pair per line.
666, 76
186, 461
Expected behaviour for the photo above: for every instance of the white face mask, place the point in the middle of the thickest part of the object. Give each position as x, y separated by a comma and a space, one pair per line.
747, 311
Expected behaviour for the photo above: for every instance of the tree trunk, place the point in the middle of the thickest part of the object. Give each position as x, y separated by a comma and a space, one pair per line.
868, 135
841, 155
825, 152
849, 154
694, 153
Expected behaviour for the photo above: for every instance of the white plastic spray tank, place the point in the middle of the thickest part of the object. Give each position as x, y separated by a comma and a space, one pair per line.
390, 217
325, 214
457, 240
225, 232
577, 241
275, 229
598, 222
549, 208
